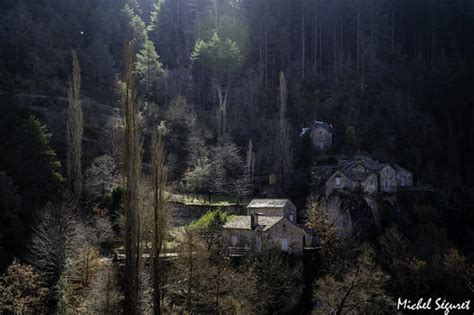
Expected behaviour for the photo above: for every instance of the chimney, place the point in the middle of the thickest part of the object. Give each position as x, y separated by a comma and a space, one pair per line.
253, 220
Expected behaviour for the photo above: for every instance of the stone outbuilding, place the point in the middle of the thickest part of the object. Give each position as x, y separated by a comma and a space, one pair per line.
273, 207
245, 233
321, 135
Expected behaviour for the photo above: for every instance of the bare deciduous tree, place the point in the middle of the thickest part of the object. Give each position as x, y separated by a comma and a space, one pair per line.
22, 290
161, 215
283, 142
56, 237
103, 296
361, 290
132, 157
101, 177
334, 248
75, 130
250, 171
111, 137
77, 277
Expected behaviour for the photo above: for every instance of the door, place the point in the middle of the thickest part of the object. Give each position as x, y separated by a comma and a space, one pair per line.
284, 244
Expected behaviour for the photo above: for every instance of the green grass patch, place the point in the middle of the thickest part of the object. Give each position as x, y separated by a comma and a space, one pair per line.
206, 200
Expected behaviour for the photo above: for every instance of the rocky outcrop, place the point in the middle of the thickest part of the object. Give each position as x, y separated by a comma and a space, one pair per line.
356, 213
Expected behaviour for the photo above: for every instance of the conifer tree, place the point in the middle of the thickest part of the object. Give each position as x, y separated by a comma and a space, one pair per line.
148, 69
220, 59
38, 166
136, 26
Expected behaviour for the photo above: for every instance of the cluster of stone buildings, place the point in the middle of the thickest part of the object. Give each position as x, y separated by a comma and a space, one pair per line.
269, 223
361, 174
272, 222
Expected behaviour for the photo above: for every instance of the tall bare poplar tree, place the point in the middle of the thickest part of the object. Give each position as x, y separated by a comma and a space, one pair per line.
132, 155
75, 130
284, 144
160, 217
250, 171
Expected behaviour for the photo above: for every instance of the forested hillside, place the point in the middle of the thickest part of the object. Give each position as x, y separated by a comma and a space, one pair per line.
119, 118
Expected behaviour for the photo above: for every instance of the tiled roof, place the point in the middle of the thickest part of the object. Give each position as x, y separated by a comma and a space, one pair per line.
357, 176
242, 222
398, 168
321, 124
371, 165
304, 131
316, 124
268, 203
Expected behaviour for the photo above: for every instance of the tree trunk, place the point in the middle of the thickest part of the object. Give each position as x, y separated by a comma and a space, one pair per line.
302, 44
315, 56
132, 174
222, 110
358, 40
160, 217
74, 133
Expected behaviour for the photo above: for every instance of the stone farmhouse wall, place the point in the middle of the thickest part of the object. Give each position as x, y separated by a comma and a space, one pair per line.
370, 184
404, 178
321, 138
282, 232
388, 179
345, 183
245, 238
285, 230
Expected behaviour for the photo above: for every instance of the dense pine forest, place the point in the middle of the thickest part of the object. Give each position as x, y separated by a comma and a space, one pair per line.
236, 156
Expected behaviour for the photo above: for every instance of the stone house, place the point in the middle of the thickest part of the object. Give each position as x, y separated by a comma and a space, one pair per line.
321, 135
273, 207
245, 233
404, 177
339, 181
364, 174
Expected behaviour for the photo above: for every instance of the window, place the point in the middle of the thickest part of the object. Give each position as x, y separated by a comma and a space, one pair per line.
338, 182
234, 240
291, 218
385, 185
284, 244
